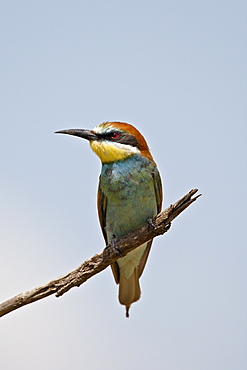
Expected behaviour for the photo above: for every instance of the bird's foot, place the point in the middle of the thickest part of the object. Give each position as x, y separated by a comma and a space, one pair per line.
151, 223
113, 245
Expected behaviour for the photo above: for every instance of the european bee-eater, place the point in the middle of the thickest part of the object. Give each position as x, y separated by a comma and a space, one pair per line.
129, 193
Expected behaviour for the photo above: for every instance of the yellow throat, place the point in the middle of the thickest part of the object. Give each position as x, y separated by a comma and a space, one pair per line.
110, 152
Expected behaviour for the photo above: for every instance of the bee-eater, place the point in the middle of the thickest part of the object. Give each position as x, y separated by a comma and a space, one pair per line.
129, 193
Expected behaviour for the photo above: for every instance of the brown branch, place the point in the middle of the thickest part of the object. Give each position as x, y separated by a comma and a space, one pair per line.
99, 262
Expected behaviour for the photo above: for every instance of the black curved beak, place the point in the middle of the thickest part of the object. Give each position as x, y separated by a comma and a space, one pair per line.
85, 134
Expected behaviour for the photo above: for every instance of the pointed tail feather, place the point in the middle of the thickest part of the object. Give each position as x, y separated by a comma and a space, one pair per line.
129, 289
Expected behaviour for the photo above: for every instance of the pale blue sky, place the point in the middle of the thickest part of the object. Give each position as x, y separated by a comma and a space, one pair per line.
177, 71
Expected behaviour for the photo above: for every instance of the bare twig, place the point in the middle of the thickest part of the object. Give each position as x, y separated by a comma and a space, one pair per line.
100, 261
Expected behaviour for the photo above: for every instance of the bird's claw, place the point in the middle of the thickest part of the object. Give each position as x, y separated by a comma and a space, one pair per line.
150, 223
113, 245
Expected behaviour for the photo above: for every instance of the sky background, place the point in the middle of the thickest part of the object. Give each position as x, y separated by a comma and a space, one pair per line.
177, 71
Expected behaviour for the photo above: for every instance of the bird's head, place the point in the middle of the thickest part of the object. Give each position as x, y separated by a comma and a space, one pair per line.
113, 141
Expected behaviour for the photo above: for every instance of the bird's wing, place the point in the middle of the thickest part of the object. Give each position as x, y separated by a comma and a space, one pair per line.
102, 204
159, 198
158, 189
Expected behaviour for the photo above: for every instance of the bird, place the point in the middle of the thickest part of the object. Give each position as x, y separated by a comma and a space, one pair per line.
129, 194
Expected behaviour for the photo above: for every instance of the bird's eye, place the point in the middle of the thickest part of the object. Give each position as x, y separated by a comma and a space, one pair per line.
114, 135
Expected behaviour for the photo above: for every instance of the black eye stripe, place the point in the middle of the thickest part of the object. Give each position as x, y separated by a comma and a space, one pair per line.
122, 138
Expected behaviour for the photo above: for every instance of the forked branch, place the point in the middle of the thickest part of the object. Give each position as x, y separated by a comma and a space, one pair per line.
99, 262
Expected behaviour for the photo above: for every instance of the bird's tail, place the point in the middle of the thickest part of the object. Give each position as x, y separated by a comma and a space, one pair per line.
129, 289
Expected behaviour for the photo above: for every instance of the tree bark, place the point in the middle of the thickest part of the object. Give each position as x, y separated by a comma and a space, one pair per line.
160, 225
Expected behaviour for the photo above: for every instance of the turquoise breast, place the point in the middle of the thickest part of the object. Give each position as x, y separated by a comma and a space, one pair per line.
129, 188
